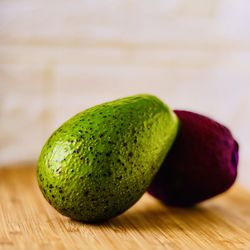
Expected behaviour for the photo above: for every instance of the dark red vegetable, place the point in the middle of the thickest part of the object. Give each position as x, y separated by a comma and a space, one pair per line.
202, 162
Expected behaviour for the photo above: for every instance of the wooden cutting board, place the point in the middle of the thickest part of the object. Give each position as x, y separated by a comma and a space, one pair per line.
27, 221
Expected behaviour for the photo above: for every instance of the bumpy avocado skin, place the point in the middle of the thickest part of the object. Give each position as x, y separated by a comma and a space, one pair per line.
101, 161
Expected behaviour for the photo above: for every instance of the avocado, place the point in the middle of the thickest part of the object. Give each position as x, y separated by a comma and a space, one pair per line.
101, 161
201, 164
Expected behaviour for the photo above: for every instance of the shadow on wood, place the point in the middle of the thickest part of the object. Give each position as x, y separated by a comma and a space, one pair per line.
28, 221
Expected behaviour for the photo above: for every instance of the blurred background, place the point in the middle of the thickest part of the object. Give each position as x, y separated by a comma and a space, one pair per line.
60, 57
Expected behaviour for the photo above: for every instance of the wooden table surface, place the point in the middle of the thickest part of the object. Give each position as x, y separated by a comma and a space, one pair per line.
27, 221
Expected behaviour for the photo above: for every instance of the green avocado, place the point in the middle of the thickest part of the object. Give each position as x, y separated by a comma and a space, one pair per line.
101, 161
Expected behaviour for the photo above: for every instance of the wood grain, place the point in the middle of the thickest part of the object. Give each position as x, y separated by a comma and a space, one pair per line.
27, 221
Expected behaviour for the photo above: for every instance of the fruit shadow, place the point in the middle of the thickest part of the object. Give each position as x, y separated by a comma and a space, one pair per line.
161, 218
157, 217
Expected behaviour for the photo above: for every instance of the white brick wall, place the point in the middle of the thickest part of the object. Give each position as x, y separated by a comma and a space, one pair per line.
59, 57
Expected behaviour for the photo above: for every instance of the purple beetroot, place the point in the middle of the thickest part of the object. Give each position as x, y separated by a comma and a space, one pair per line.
202, 162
